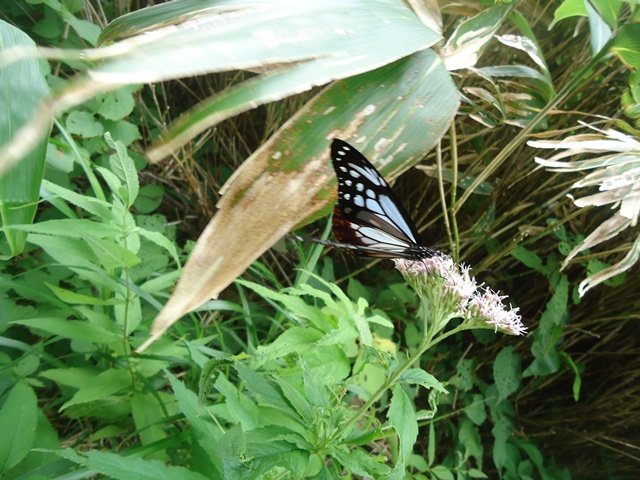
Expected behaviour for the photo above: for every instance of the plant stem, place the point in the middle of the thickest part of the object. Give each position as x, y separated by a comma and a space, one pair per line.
426, 344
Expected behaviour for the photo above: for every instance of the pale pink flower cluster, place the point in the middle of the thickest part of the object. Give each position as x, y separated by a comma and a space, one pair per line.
453, 289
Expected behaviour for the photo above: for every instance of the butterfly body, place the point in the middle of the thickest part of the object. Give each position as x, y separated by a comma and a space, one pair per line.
368, 218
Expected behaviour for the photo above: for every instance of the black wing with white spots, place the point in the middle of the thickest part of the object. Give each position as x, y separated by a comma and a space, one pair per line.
368, 218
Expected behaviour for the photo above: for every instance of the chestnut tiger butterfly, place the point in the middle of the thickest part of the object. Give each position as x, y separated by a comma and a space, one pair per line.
368, 218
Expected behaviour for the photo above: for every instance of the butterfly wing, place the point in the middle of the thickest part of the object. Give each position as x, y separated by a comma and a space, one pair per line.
368, 215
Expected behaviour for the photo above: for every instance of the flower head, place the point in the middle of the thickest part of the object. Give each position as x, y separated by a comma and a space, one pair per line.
453, 293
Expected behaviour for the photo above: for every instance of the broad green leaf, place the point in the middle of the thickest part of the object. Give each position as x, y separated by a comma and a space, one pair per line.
315, 388
402, 417
101, 386
329, 362
609, 10
568, 9
442, 473
18, 417
128, 467
506, 372
22, 87
270, 33
626, 45
115, 104
83, 124
73, 329
149, 198
84, 28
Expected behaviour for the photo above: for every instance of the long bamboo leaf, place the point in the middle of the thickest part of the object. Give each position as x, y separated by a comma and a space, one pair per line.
22, 87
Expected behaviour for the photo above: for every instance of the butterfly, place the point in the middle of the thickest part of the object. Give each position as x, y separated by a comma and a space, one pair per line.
368, 218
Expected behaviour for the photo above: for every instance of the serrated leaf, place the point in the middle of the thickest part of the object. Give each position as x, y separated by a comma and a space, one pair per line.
100, 208
103, 385
128, 467
124, 168
74, 228
73, 329
112, 255
72, 377
72, 298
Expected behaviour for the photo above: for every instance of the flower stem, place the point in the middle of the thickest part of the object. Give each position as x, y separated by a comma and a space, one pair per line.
426, 344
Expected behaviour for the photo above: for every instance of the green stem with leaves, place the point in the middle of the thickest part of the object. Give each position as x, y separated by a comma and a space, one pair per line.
427, 342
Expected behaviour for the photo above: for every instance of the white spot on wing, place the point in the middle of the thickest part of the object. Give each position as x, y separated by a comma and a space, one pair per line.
374, 206
395, 216
358, 200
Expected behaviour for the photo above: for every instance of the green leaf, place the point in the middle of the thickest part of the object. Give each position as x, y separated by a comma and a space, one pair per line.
18, 417
73, 329
506, 372
148, 417
264, 392
442, 473
112, 255
600, 31
626, 45
122, 131
295, 339
100, 208
101, 386
527, 257
162, 241
22, 87
83, 124
419, 376
402, 417
72, 377
149, 198
126, 468
117, 103
124, 168
568, 9
74, 228
241, 408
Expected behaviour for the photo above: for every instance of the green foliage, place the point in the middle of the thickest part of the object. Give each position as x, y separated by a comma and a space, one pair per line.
311, 381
